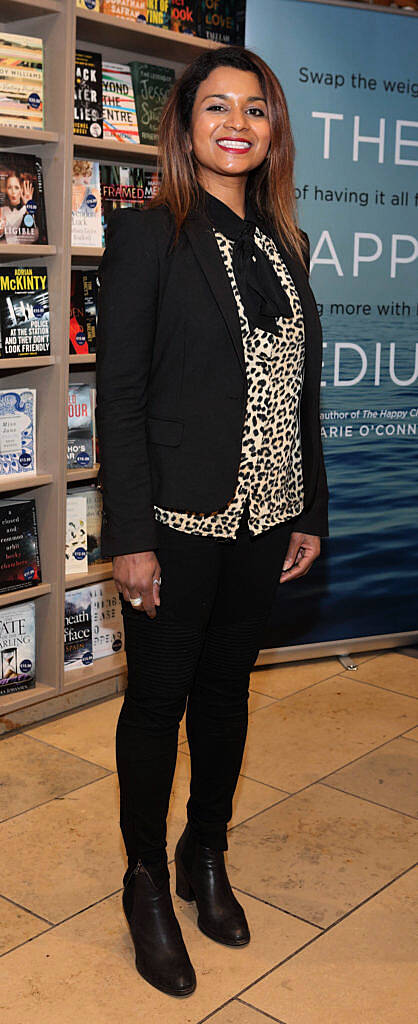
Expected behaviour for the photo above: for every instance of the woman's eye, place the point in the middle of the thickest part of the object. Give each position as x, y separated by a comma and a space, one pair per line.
216, 106
256, 110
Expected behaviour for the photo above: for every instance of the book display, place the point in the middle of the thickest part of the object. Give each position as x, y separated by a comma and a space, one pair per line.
82, 83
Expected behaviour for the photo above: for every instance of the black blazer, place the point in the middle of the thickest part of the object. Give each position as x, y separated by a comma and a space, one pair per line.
171, 381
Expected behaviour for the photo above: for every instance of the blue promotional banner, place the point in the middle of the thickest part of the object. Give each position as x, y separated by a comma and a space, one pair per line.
351, 83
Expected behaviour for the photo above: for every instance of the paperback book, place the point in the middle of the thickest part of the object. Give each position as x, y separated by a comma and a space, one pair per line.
151, 83
132, 10
107, 624
24, 312
182, 16
94, 507
22, 200
76, 534
80, 445
125, 186
83, 312
119, 113
17, 431
78, 641
20, 564
88, 95
86, 221
21, 81
158, 13
223, 21
89, 5
17, 648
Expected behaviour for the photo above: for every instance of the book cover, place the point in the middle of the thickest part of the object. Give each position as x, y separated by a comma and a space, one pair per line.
17, 431
131, 10
17, 648
78, 331
21, 81
24, 312
151, 83
76, 534
89, 5
94, 506
119, 112
181, 16
223, 21
78, 641
86, 221
80, 427
88, 97
120, 187
107, 625
20, 564
158, 13
22, 199
90, 307
151, 180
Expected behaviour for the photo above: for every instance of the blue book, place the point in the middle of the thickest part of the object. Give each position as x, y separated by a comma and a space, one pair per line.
17, 431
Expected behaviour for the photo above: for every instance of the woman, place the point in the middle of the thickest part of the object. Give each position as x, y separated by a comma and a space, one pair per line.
208, 375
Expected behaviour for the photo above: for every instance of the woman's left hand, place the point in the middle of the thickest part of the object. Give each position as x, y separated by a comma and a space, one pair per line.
303, 549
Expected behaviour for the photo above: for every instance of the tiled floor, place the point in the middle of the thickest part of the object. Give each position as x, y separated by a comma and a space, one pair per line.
322, 846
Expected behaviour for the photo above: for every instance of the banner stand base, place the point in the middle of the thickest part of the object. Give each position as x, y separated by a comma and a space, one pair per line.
335, 648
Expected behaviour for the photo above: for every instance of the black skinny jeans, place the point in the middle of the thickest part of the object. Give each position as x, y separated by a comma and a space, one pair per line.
215, 599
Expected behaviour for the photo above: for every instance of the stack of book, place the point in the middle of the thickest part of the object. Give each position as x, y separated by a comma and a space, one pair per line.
98, 189
221, 20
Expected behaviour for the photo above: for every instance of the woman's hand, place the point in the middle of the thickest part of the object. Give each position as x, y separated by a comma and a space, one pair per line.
303, 549
135, 576
27, 191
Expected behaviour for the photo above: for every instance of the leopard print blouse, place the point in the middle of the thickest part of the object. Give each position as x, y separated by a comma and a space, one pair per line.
270, 471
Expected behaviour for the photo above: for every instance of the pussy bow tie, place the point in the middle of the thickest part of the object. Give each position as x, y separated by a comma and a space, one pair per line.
262, 293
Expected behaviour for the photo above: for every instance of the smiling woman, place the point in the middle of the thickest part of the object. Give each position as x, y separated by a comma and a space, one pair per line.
214, 491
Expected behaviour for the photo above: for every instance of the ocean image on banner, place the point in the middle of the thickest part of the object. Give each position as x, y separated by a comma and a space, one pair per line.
353, 101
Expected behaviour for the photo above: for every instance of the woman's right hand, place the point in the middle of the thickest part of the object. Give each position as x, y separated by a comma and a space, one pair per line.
135, 575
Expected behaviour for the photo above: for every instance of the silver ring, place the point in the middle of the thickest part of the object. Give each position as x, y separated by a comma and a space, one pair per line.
157, 581
135, 601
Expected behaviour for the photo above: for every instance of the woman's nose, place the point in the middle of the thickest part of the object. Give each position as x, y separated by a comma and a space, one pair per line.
236, 119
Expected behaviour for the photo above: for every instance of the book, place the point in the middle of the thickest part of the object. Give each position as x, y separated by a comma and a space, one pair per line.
17, 648
89, 5
94, 506
151, 83
158, 13
76, 534
17, 431
24, 312
83, 311
119, 113
20, 564
132, 10
78, 641
181, 16
21, 81
80, 451
107, 624
22, 200
86, 221
223, 21
88, 94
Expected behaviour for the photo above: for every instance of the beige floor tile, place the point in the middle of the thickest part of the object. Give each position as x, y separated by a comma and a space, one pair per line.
17, 926
256, 701
84, 969
320, 853
312, 733
412, 735
237, 1012
280, 680
89, 733
32, 773
61, 857
361, 972
395, 672
250, 798
389, 776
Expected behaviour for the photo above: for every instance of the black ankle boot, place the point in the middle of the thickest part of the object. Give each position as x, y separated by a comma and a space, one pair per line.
161, 955
201, 876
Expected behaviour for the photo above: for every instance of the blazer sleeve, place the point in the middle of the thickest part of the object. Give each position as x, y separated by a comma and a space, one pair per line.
127, 310
314, 520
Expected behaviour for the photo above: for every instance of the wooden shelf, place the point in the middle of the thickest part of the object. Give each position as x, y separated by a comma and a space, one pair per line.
87, 253
25, 594
96, 574
103, 668
108, 149
13, 701
25, 136
105, 30
26, 362
82, 474
83, 357
12, 10
25, 481
16, 251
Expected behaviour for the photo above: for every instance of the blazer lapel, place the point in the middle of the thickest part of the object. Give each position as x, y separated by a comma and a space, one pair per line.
206, 250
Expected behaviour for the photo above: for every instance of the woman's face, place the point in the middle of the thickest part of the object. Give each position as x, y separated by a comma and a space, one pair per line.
230, 130
13, 190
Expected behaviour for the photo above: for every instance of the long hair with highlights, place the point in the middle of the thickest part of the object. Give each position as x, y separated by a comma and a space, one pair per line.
270, 186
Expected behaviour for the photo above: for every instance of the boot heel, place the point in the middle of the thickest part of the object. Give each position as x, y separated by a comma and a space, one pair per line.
183, 887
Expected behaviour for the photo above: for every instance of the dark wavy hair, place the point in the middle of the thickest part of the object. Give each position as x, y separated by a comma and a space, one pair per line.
270, 186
